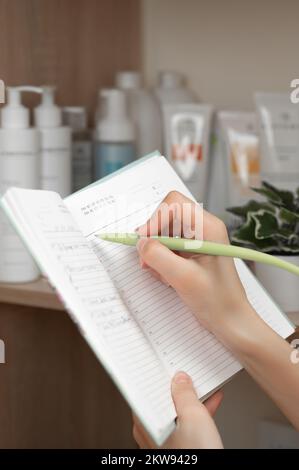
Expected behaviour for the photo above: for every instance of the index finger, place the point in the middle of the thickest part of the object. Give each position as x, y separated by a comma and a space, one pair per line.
177, 215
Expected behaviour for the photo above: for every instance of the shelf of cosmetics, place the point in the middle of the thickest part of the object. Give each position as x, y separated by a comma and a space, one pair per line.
219, 155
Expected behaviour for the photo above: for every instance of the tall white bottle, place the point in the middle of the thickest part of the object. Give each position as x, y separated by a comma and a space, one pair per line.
19, 166
171, 89
144, 111
114, 135
56, 145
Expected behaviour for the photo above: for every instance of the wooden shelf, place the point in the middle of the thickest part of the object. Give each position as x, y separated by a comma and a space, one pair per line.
33, 294
41, 294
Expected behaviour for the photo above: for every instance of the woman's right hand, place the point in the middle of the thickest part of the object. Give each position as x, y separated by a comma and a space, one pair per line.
209, 285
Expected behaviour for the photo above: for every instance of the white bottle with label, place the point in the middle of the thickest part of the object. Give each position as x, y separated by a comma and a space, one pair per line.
56, 156
171, 89
19, 166
144, 110
75, 117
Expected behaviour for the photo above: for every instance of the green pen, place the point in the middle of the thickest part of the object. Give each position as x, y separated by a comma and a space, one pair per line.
204, 247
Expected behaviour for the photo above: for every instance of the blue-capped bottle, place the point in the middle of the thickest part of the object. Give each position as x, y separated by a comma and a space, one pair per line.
114, 134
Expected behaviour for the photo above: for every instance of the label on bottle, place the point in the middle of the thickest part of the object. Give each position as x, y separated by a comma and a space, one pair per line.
187, 134
110, 157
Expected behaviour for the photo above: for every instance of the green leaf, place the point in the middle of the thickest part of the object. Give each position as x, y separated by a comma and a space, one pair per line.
250, 206
245, 235
271, 226
289, 250
286, 234
288, 216
276, 196
270, 195
287, 197
266, 224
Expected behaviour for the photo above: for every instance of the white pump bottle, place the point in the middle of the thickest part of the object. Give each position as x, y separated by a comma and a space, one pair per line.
19, 166
56, 156
144, 110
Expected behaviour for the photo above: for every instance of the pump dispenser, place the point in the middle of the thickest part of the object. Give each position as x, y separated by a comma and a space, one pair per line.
56, 165
114, 134
144, 111
19, 166
47, 114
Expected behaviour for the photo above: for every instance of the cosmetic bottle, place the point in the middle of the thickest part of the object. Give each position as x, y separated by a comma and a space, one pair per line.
187, 138
56, 165
144, 110
114, 134
75, 117
171, 89
278, 124
19, 166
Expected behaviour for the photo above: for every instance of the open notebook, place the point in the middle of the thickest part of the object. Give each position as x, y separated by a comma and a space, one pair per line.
137, 327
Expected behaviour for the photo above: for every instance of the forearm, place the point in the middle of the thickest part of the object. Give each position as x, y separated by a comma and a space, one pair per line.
265, 356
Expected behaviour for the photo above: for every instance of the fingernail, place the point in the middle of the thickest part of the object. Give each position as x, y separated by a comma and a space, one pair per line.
181, 378
140, 244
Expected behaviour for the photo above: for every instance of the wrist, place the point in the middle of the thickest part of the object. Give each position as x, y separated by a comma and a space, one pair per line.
241, 330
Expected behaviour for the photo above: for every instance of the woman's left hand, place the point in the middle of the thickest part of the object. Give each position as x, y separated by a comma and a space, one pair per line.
195, 427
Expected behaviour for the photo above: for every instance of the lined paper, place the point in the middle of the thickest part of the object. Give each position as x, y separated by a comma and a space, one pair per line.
175, 334
97, 307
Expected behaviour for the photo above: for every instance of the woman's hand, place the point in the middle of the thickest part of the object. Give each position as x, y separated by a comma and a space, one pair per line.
209, 285
195, 427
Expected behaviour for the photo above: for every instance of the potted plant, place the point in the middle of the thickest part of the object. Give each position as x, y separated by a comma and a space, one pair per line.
272, 226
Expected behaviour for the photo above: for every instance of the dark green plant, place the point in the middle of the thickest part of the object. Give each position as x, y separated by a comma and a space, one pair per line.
271, 226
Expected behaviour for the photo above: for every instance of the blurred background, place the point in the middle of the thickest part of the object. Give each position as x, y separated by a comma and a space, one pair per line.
130, 66
226, 50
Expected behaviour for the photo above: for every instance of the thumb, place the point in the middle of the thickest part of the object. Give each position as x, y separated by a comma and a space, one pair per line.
176, 270
194, 420
185, 398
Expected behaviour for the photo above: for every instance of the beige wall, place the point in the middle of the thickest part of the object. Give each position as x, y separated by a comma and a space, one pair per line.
227, 48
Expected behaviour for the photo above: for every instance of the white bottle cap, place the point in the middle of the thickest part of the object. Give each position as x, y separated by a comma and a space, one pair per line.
74, 117
14, 115
115, 126
47, 114
167, 79
128, 80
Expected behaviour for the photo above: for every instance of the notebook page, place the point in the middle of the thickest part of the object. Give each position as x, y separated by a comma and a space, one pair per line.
95, 305
181, 342
263, 303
